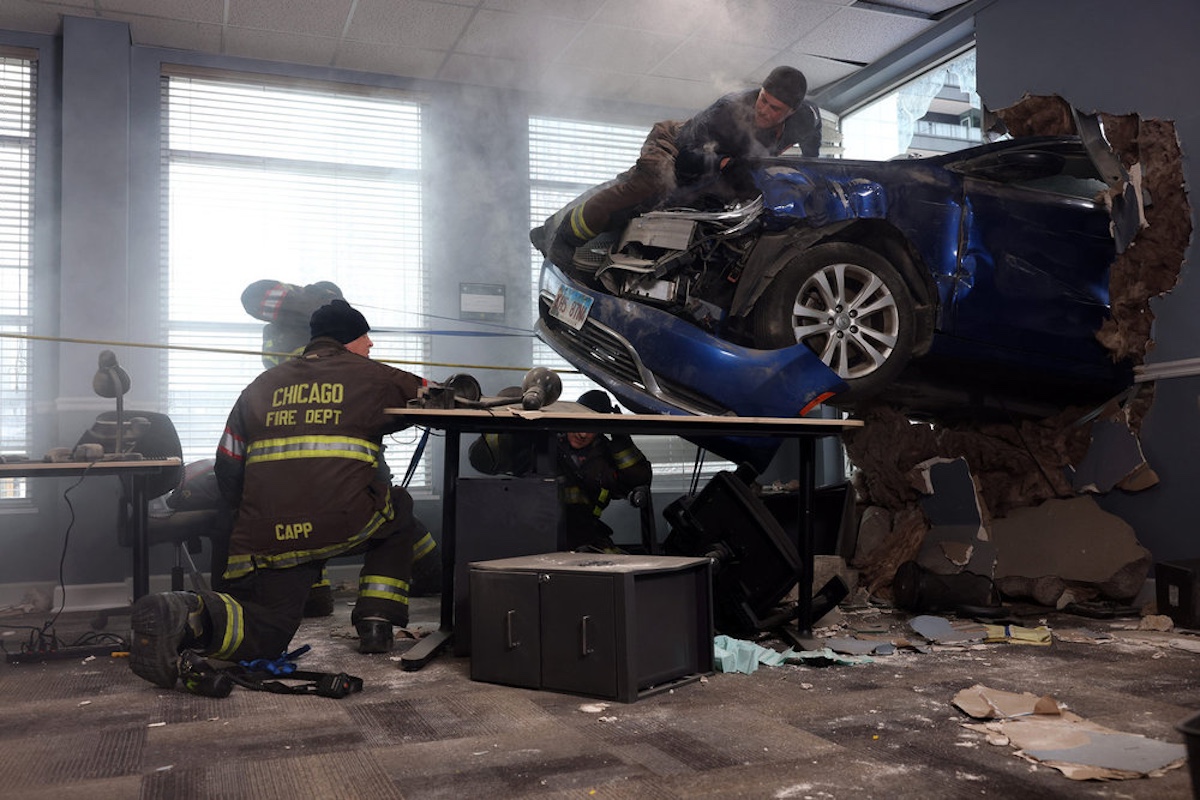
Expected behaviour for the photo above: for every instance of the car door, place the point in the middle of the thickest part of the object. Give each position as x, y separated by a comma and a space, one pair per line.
1035, 252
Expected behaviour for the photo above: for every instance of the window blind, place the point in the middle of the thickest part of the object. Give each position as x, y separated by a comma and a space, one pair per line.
566, 158
294, 182
18, 79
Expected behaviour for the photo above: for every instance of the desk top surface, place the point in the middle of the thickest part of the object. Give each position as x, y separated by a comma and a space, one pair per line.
32, 469
514, 418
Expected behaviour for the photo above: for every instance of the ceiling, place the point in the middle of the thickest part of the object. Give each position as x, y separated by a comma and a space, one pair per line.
680, 53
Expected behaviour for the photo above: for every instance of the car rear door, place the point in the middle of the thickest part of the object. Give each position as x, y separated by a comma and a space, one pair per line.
1035, 252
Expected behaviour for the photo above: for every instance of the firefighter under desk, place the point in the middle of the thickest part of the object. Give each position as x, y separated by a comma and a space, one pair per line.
510, 419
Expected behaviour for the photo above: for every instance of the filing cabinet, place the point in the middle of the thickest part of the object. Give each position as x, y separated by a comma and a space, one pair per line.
618, 627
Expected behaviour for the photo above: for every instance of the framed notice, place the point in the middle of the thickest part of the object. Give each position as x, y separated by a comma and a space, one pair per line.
481, 301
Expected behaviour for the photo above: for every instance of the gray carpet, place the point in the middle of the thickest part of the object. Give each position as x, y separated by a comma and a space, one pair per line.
87, 727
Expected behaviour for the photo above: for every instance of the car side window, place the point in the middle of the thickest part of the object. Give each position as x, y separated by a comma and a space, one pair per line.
1068, 174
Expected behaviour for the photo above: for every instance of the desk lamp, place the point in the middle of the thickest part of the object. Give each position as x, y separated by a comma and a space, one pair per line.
111, 380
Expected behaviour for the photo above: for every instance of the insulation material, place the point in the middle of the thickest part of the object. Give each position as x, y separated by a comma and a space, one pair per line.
1029, 462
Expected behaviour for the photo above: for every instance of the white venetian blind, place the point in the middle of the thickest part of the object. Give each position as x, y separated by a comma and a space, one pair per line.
18, 79
288, 181
566, 158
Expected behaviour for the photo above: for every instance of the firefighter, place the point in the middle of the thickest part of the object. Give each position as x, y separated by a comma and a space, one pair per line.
682, 160
287, 308
300, 461
592, 470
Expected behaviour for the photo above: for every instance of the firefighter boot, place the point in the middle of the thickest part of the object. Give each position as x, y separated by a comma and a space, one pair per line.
163, 625
374, 635
319, 602
564, 246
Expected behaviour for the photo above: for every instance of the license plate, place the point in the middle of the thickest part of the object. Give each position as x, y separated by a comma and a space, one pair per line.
571, 307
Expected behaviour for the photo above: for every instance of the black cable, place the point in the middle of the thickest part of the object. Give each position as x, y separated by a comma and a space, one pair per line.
44, 639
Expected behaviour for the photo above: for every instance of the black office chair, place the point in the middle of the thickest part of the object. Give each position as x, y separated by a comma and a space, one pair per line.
152, 435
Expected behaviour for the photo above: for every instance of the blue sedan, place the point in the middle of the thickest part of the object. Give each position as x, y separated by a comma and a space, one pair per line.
975, 279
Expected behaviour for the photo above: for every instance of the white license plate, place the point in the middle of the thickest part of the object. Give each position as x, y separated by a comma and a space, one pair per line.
571, 307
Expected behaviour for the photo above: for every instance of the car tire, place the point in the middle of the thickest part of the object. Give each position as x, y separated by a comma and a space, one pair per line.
818, 299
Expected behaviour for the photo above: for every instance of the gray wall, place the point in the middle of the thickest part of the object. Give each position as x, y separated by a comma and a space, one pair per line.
1119, 57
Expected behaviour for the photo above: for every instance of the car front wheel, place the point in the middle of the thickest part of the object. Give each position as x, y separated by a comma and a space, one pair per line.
850, 306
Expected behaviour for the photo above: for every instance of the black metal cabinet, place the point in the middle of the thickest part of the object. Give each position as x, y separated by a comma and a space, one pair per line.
611, 626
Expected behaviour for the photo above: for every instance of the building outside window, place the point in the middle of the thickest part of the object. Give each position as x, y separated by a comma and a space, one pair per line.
18, 79
299, 182
936, 112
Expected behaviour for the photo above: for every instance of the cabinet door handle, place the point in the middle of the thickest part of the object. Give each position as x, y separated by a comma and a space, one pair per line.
511, 641
583, 635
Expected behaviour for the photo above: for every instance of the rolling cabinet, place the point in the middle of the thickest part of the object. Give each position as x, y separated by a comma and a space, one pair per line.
618, 627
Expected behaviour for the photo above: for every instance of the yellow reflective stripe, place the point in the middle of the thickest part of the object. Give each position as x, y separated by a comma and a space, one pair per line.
626, 458
235, 628
312, 447
243, 564
601, 503
578, 226
424, 546
382, 587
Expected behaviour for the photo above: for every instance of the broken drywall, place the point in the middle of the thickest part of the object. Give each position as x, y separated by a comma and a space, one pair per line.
1074, 541
1043, 731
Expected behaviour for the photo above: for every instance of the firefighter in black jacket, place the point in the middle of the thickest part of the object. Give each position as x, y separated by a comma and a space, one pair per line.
300, 461
689, 156
592, 470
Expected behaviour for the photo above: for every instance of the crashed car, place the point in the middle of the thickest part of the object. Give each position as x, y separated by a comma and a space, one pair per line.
970, 280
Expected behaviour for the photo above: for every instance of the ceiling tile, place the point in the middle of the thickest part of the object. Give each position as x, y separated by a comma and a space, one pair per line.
708, 61
819, 71
273, 46
679, 17
484, 71
517, 36
434, 26
149, 31
688, 96
186, 10
313, 17
410, 62
34, 17
556, 9
632, 51
859, 36
775, 23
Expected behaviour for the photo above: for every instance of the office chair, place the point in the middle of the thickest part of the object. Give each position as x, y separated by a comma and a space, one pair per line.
151, 435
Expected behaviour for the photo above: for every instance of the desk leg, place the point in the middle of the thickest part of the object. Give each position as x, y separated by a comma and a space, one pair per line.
808, 477
429, 646
141, 542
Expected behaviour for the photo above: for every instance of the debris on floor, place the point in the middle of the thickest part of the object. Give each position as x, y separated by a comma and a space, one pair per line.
1042, 731
739, 655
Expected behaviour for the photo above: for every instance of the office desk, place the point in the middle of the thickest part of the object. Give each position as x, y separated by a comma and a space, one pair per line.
511, 419
138, 473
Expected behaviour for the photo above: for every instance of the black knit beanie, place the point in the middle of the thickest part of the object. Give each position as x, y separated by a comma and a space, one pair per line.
337, 320
786, 84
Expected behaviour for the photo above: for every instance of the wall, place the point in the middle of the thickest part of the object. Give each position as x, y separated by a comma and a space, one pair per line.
1117, 57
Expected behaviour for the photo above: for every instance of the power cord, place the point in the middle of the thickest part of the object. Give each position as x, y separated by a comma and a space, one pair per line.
43, 643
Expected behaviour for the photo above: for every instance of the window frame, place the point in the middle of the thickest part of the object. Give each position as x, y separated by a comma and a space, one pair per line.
19, 71
392, 174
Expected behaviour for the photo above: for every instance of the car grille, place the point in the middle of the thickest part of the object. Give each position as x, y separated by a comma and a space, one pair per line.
598, 344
